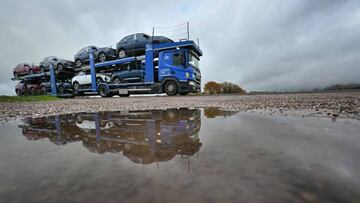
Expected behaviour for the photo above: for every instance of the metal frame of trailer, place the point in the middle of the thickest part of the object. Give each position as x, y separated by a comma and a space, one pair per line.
149, 85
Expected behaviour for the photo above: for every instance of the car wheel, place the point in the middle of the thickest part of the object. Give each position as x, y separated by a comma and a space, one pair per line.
102, 57
78, 63
76, 85
43, 90
99, 80
116, 80
122, 53
171, 88
59, 66
61, 90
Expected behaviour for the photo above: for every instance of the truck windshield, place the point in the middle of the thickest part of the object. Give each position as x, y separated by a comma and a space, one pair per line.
193, 61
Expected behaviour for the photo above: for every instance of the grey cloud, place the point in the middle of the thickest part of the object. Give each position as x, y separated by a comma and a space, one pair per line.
261, 45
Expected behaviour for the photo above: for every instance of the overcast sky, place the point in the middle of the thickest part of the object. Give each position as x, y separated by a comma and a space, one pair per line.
258, 44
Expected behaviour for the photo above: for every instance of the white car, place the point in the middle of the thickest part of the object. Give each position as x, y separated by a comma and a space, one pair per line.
82, 78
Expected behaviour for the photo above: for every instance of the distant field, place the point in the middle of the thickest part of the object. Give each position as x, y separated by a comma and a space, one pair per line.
28, 98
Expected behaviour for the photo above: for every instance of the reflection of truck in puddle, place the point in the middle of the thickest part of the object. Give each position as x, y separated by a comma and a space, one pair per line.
143, 136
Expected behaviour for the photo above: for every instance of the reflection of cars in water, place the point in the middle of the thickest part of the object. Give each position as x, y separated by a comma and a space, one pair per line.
142, 136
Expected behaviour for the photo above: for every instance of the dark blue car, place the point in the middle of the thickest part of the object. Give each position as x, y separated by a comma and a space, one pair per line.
129, 76
134, 45
100, 55
62, 87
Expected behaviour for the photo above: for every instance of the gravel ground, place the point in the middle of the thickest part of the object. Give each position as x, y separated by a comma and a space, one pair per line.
331, 105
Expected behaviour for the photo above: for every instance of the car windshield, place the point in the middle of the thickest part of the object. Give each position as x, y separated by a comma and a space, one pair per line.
193, 61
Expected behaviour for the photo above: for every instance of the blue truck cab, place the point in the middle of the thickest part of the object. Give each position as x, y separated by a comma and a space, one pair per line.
182, 67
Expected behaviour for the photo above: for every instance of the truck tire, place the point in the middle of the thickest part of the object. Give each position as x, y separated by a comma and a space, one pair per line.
104, 92
171, 88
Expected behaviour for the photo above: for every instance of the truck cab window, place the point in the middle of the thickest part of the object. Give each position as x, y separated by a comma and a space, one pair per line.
179, 59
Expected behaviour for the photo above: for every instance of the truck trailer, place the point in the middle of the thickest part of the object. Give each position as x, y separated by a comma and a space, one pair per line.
171, 68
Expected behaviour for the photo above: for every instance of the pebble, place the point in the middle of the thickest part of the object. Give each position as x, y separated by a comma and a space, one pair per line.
330, 105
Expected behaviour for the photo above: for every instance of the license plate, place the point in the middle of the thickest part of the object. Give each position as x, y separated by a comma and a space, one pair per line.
123, 91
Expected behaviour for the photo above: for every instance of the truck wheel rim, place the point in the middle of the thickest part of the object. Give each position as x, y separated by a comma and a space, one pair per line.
170, 88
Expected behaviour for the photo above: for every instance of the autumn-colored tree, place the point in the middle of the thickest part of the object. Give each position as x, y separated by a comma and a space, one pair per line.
229, 87
212, 87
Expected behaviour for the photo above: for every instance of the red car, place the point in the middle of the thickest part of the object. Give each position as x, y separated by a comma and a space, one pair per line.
26, 69
28, 87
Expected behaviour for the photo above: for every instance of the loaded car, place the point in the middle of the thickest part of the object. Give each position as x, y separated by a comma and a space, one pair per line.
130, 76
100, 55
131, 73
134, 45
62, 87
81, 79
28, 87
25, 69
58, 63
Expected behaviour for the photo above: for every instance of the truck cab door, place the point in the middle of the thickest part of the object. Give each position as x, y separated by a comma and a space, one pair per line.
173, 64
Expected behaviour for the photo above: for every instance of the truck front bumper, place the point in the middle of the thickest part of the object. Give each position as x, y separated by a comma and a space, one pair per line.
189, 87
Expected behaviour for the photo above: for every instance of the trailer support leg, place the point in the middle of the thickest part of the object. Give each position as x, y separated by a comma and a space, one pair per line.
93, 73
53, 80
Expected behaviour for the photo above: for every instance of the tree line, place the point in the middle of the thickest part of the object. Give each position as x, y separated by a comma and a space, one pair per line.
223, 88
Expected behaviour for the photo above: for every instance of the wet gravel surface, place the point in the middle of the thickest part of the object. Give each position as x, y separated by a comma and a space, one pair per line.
331, 105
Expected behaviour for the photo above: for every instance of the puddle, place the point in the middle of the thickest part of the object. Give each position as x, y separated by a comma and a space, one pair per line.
179, 155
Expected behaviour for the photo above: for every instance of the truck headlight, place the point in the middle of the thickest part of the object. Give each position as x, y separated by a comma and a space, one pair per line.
192, 83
